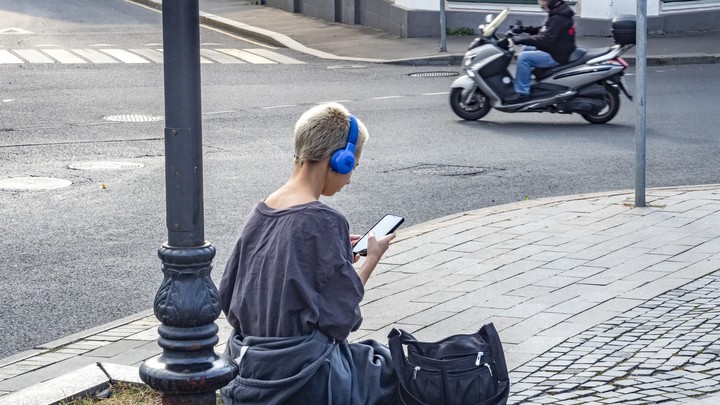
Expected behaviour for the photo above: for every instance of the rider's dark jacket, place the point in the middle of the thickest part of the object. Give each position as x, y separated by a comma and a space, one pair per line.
557, 36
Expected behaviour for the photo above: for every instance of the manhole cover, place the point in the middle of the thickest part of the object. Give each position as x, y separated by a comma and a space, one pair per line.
105, 166
133, 118
434, 74
33, 183
446, 170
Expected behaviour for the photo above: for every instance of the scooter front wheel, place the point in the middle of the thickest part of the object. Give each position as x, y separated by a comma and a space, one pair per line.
469, 106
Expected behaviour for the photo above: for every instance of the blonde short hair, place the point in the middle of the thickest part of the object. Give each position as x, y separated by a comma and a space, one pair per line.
322, 130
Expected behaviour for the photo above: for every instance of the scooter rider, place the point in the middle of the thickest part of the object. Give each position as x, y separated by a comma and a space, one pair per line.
546, 47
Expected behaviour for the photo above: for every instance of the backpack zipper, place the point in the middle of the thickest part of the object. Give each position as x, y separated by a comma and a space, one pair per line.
415, 372
479, 356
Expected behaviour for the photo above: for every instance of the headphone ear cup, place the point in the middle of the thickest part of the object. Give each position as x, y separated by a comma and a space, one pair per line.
342, 161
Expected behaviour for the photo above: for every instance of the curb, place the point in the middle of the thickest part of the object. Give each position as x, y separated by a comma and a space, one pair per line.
78, 384
280, 40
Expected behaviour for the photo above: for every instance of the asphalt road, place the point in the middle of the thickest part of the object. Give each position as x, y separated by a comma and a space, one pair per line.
83, 255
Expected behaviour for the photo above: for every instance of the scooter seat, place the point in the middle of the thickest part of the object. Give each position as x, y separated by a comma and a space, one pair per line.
578, 57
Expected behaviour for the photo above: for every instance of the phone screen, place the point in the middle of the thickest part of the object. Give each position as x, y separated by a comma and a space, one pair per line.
386, 225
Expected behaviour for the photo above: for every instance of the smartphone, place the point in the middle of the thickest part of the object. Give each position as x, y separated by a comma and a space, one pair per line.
386, 225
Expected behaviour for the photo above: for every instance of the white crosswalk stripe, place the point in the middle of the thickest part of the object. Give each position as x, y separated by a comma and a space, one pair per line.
64, 56
94, 56
124, 56
151, 54
140, 55
33, 56
7, 57
250, 57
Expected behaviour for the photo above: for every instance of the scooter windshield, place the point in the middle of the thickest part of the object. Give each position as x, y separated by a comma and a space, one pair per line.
490, 28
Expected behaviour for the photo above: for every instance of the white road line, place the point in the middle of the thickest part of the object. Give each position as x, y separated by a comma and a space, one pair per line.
151, 54
252, 58
64, 56
276, 56
385, 97
33, 56
202, 60
436, 94
125, 56
7, 57
94, 56
219, 56
333, 101
220, 112
278, 106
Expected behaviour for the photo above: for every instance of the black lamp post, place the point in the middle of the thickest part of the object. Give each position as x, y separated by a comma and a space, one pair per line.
187, 303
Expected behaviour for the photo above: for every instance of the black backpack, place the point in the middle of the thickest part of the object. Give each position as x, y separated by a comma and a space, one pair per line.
464, 369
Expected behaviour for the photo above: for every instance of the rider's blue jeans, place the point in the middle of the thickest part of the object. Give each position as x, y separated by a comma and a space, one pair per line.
528, 59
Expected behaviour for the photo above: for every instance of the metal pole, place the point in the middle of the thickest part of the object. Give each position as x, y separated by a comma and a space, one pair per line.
443, 34
187, 302
640, 106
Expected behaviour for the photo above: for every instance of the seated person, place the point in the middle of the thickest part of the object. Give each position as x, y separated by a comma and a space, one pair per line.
547, 47
290, 290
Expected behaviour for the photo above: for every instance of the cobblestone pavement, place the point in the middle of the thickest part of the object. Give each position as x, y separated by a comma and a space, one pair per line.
664, 350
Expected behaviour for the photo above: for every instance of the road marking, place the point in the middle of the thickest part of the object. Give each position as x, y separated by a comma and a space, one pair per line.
276, 56
99, 45
278, 106
151, 54
64, 56
124, 56
385, 97
219, 56
94, 56
220, 112
7, 57
141, 55
436, 94
14, 31
33, 56
252, 58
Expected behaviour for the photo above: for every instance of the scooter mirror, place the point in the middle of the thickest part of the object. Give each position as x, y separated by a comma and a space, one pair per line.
489, 18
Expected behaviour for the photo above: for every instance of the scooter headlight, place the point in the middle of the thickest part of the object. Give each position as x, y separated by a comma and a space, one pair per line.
467, 61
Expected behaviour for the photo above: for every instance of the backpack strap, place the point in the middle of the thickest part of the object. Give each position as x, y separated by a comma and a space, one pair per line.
489, 333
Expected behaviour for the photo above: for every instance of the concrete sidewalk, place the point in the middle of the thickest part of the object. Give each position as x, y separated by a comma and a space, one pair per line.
596, 301
338, 41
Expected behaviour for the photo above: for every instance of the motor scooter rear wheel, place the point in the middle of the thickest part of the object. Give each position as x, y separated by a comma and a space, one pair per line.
612, 105
477, 107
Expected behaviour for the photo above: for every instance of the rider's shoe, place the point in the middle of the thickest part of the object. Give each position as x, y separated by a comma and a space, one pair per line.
517, 98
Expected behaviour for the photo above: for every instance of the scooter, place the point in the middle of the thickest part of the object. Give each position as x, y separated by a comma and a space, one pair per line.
589, 84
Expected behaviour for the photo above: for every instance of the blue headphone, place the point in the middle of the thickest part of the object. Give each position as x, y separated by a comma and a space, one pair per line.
343, 160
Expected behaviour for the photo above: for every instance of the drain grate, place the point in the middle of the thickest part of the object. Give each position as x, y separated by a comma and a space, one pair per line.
446, 170
105, 166
434, 74
133, 118
33, 183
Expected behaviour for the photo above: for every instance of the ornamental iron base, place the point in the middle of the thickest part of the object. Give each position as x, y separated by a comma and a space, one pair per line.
187, 303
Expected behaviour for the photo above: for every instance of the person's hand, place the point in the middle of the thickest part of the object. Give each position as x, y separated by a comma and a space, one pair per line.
518, 30
353, 240
378, 246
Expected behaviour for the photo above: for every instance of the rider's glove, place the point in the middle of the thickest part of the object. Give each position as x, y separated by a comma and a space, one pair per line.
518, 30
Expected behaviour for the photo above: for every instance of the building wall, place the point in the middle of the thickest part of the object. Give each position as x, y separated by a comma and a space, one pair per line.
421, 18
